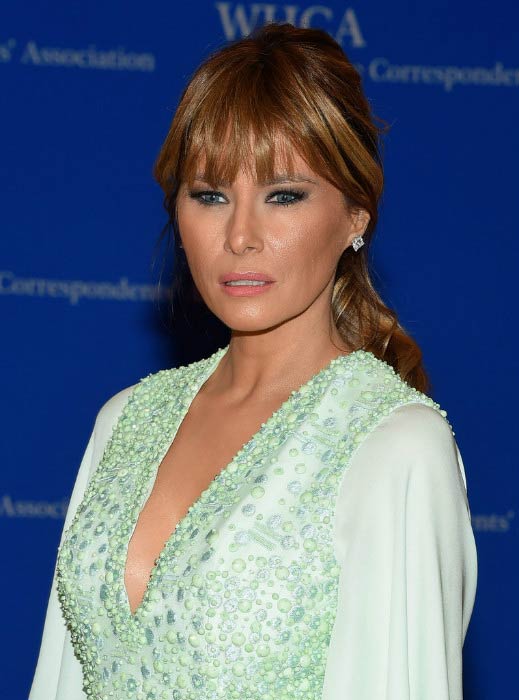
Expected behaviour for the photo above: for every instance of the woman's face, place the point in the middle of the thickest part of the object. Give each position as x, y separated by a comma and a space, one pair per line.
291, 233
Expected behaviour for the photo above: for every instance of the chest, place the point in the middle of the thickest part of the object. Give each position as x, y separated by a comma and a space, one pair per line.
248, 572
245, 588
205, 442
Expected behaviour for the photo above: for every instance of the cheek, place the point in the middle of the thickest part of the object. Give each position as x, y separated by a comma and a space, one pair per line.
197, 242
200, 262
189, 231
312, 248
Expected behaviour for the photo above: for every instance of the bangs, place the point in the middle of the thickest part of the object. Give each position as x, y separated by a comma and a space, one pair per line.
216, 155
240, 131
253, 106
251, 119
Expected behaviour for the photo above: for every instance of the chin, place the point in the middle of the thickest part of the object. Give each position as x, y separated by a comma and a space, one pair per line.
258, 323
249, 325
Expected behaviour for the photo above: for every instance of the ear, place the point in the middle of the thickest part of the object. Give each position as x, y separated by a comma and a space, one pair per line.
359, 223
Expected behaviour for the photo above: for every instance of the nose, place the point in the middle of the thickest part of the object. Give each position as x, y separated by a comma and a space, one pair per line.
243, 229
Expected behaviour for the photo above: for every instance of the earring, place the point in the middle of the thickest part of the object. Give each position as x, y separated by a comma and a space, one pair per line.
357, 243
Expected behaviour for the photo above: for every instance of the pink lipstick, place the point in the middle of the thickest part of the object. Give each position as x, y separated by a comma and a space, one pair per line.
245, 284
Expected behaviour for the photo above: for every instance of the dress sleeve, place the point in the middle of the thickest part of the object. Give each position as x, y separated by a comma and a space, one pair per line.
408, 564
58, 673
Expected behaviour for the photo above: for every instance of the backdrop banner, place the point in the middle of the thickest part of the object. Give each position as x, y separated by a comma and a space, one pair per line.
89, 90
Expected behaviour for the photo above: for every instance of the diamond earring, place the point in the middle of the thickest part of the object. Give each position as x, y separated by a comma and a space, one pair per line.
357, 243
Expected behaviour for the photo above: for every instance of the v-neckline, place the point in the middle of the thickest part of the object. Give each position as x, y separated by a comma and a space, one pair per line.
208, 367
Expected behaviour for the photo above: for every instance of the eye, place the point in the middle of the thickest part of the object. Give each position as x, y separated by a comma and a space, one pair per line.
293, 196
287, 197
200, 194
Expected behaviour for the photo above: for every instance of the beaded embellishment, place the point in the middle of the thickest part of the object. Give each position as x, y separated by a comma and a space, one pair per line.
241, 601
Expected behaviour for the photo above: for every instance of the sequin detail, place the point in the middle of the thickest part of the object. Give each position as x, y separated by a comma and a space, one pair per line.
242, 599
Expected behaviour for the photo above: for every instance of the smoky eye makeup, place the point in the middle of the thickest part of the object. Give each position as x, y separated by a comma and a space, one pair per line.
285, 197
199, 195
293, 195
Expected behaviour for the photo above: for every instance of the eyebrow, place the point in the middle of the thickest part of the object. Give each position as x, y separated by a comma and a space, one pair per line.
277, 180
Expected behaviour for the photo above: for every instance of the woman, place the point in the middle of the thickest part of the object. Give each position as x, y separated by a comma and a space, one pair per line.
333, 556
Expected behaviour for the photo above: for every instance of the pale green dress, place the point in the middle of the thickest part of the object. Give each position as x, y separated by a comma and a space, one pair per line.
332, 559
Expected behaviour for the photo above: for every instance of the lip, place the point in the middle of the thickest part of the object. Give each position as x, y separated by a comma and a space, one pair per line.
256, 276
246, 290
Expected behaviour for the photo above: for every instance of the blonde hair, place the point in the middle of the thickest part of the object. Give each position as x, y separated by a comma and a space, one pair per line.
297, 83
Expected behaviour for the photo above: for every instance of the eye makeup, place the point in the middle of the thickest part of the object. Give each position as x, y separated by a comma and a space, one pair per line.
295, 195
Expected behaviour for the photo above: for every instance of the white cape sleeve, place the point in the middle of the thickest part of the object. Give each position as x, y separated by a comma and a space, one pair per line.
408, 558
58, 673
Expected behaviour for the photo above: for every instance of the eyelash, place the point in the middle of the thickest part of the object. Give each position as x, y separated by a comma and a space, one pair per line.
297, 194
